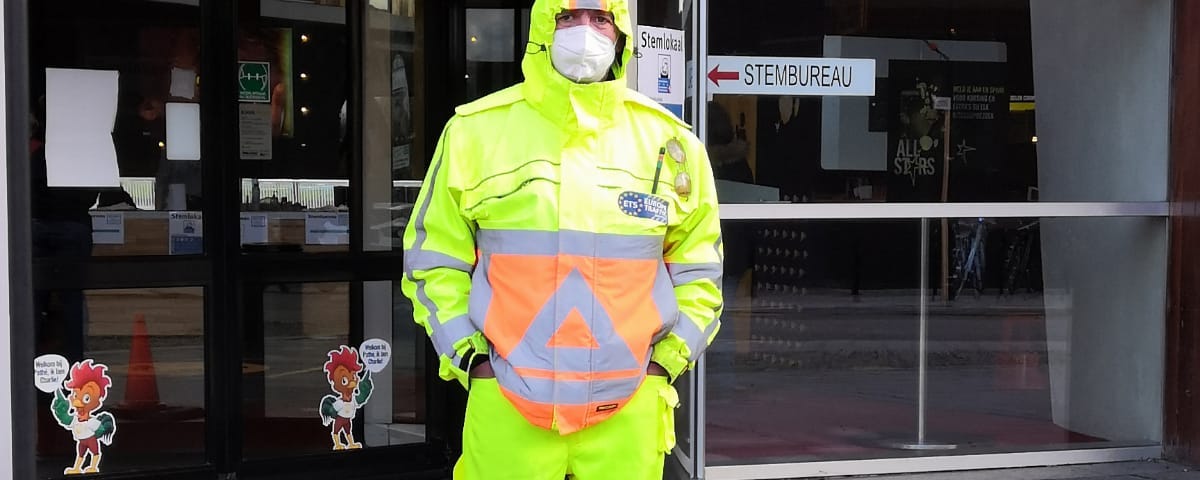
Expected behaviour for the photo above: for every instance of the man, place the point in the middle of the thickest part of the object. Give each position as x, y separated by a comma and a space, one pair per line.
565, 250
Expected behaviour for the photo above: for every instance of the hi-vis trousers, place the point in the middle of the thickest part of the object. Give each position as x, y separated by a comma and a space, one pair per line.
498, 443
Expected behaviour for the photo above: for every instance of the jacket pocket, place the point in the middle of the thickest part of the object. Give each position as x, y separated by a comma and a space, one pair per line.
643, 205
503, 190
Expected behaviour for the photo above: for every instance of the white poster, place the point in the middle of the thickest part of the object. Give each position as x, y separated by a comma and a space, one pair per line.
254, 131
108, 228
186, 233
661, 74
327, 228
183, 131
81, 108
254, 228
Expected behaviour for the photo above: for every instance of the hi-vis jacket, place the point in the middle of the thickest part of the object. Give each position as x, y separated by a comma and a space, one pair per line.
539, 238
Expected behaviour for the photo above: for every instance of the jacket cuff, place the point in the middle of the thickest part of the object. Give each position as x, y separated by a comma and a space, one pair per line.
672, 354
465, 351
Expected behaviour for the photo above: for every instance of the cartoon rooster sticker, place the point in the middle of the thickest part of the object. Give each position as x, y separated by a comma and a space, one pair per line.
78, 412
342, 370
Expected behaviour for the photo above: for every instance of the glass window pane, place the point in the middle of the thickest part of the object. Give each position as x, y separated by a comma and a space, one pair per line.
1033, 338
294, 156
1032, 98
397, 415
115, 158
492, 61
149, 394
394, 151
290, 333
309, 373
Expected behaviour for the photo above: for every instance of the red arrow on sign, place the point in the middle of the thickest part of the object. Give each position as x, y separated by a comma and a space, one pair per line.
716, 75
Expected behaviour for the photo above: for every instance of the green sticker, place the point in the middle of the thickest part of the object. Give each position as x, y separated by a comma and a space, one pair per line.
254, 82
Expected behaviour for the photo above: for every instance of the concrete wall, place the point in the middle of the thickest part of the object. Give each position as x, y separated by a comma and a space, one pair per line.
1102, 80
1101, 71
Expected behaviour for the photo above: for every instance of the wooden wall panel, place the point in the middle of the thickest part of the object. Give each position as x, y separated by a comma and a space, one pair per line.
1182, 395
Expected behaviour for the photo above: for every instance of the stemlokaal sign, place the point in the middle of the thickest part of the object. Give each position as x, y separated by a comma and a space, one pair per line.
791, 76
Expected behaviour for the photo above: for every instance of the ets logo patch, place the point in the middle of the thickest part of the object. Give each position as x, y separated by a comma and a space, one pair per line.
643, 205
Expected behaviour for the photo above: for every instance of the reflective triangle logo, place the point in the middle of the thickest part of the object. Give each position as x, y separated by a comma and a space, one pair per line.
571, 325
573, 333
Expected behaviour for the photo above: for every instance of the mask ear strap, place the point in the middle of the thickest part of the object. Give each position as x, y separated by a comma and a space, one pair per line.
539, 48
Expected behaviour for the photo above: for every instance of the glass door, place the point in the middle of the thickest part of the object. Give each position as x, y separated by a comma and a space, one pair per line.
330, 108
217, 262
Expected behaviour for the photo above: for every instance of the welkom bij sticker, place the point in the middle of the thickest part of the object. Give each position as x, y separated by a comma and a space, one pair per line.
78, 410
348, 371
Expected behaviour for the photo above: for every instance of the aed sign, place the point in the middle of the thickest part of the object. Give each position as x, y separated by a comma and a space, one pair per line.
844, 77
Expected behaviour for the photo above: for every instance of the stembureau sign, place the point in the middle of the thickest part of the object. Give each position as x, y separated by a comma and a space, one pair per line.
791, 76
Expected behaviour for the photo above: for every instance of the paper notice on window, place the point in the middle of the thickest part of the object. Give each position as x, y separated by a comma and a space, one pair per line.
332, 228
183, 131
81, 107
254, 229
254, 130
186, 233
183, 83
108, 228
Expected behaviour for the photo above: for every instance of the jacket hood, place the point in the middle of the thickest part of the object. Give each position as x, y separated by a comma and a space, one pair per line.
579, 106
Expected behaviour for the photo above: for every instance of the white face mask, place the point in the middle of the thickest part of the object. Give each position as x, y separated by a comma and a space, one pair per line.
582, 54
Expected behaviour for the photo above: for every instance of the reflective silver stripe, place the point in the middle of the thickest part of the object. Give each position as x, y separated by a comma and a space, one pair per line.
591, 4
432, 309
663, 294
415, 260
570, 242
562, 391
696, 340
685, 273
481, 294
445, 335
419, 220
419, 227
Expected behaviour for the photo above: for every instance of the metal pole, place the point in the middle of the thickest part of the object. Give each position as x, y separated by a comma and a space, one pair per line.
922, 442
922, 345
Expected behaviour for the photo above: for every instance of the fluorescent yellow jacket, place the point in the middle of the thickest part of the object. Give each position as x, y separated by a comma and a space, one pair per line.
539, 239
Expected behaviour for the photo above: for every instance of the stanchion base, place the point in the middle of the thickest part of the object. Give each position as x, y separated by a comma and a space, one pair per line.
926, 445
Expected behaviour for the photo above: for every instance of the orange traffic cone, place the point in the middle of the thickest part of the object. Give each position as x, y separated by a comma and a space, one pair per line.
141, 385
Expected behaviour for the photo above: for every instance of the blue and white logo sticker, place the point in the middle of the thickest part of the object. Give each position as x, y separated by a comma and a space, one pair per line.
643, 205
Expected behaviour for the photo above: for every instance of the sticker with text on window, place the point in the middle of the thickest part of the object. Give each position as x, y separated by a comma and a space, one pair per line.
348, 371
79, 394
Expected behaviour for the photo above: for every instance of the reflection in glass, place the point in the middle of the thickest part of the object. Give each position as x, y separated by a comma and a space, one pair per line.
394, 150
154, 68
493, 59
296, 401
151, 345
961, 95
289, 337
293, 134
1031, 347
